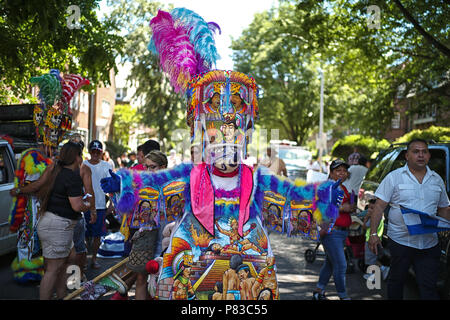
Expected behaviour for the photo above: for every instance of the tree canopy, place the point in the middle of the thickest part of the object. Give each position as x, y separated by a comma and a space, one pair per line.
39, 35
161, 107
365, 69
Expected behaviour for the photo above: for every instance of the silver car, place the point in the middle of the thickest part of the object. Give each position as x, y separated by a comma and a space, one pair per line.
7, 167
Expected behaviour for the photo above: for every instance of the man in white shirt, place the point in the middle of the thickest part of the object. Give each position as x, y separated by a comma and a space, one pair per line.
99, 170
275, 164
417, 187
357, 173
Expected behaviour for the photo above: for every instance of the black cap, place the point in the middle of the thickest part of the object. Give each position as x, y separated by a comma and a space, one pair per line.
337, 163
95, 145
150, 145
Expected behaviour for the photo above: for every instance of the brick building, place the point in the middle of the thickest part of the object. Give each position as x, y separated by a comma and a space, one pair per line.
92, 112
433, 114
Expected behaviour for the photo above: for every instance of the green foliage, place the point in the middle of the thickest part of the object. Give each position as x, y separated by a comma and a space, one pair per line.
115, 149
432, 133
124, 121
35, 37
362, 144
161, 107
364, 68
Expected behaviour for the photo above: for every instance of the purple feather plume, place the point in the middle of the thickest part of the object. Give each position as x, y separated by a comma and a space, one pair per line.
214, 27
176, 53
185, 44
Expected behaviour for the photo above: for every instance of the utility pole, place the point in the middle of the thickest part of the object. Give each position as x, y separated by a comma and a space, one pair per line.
320, 139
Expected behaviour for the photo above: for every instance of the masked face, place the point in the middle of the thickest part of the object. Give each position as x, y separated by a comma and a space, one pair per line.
224, 147
38, 116
222, 105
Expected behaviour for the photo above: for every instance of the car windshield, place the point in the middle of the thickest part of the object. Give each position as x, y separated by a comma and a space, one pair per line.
294, 154
384, 161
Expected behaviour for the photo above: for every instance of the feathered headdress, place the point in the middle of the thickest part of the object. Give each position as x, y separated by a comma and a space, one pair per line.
53, 116
184, 43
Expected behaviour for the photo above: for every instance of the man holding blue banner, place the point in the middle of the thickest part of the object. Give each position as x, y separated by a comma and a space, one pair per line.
419, 208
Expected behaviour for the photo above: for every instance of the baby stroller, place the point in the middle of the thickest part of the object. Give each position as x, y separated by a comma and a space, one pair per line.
354, 247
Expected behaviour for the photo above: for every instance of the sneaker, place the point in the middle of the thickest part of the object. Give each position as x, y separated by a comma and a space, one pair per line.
319, 296
385, 272
118, 296
370, 276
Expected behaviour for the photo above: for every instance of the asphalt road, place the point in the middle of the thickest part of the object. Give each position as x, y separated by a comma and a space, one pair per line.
296, 277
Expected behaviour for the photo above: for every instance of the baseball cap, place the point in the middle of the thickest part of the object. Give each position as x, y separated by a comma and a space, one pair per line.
95, 145
150, 145
337, 163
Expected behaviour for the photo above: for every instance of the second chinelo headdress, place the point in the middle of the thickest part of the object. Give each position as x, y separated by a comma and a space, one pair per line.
53, 116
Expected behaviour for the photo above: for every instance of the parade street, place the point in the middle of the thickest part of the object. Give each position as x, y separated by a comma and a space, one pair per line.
296, 277
182, 151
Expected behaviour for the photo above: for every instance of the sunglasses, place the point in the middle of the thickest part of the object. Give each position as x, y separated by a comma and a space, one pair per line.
151, 167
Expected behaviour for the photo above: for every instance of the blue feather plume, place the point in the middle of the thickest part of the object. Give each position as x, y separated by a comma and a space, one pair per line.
201, 33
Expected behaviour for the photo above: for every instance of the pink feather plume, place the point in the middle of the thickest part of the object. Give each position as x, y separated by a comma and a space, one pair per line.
177, 56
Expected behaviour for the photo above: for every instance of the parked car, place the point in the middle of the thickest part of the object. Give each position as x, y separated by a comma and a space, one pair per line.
296, 159
393, 158
7, 168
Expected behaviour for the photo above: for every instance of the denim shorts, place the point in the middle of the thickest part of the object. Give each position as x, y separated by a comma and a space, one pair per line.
97, 229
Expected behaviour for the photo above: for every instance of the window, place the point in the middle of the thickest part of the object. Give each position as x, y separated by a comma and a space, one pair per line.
395, 124
75, 103
84, 102
121, 93
106, 108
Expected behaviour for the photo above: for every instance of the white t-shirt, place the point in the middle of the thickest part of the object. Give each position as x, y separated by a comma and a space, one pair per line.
99, 171
313, 176
401, 188
357, 174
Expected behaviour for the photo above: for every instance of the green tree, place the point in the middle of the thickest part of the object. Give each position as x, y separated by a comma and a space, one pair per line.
124, 121
161, 107
363, 144
366, 69
432, 133
36, 36
284, 50
287, 74
413, 41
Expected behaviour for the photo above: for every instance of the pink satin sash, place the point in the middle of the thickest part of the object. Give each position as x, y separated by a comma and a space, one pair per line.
202, 197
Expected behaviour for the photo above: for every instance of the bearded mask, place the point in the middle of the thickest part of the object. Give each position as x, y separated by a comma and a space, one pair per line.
222, 108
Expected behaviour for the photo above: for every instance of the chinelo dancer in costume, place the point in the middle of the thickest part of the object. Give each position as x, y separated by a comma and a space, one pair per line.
223, 199
52, 119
